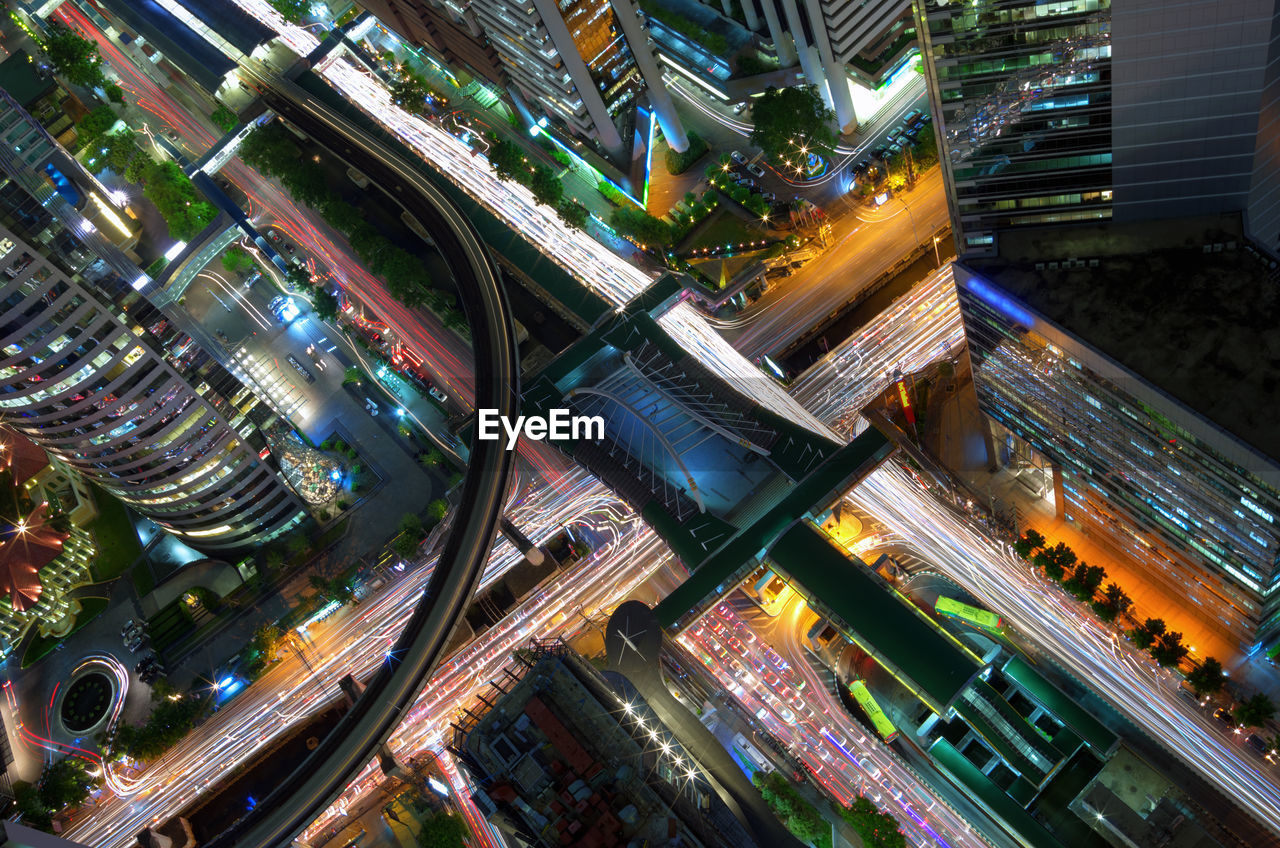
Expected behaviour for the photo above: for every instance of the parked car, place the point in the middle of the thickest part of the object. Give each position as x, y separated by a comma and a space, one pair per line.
737, 156
128, 625
769, 196
741, 107
881, 152
437, 394
755, 169
749, 183
912, 116
1223, 715
862, 167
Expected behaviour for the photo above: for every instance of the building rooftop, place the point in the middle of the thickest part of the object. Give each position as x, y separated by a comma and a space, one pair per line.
1188, 305
563, 763
24, 82
180, 44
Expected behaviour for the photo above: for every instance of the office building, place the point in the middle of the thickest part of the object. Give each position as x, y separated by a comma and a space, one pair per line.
1137, 359
1040, 125
566, 756
99, 376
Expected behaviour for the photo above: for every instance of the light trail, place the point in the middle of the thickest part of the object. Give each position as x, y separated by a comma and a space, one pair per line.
808, 720
920, 327
626, 552
586, 259
1079, 642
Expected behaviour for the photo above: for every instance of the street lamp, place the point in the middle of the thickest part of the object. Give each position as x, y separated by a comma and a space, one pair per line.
937, 261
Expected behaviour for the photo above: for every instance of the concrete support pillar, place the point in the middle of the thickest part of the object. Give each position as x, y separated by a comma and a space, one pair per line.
1059, 493
522, 108
726, 6
659, 99
351, 687
841, 99
811, 64
388, 763
989, 441
526, 546
752, 16
782, 43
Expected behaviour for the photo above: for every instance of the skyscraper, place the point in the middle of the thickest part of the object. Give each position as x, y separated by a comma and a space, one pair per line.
1040, 125
585, 66
103, 379
1113, 217
824, 37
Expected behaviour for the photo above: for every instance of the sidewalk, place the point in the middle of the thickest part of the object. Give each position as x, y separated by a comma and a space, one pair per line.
959, 445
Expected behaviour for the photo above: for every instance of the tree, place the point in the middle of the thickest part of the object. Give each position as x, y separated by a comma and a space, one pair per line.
411, 525
325, 304
410, 91
336, 590
546, 186
443, 830
165, 185
352, 376
877, 829
1208, 678
264, 644
237, 260
1113, 603
792, 122
573, 214
507, 160
1085, 580
65, 783
1055, 561
121, 149
407, 279
34, 812
114, 93
73, 57
1254, 712
431, 458
293, 11
171, 718
641, 226
437, 509
1145, 634
224, 118
299, 279
1168, 649
405, 546
95, 125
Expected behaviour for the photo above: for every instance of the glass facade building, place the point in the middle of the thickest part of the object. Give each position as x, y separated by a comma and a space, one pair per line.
1139, 471
1040, 125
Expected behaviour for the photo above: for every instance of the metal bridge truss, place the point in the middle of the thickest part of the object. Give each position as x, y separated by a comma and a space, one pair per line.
724, 413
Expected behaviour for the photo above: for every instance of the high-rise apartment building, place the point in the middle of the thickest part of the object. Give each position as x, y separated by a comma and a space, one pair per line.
825, 36
585, 66
104, 380
1039, 123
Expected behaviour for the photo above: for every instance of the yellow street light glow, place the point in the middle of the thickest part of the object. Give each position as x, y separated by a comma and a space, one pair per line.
110, 214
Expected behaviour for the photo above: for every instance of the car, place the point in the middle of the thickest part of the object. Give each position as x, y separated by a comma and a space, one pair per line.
881, 152
741, 107
772, 679
918, 125
1257, 743
895, 149
786, 715
222, 336
274, 236
128, 625
862, 167
1223, 715
895, 134
745, 182
869, 767
440, 396
285, 309
912, 116
737, 156
253, 278
755, 169
134, 646
769, 196
371, 406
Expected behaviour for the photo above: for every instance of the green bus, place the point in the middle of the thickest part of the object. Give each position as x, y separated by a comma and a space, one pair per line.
977, 617
869, 706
